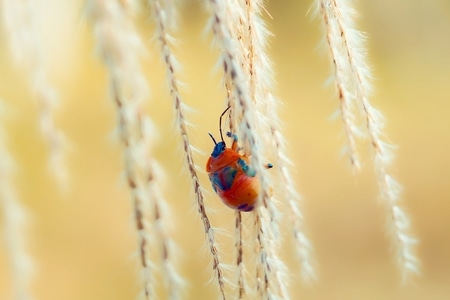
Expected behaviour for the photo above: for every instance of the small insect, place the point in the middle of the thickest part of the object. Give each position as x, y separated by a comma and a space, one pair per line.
231, 176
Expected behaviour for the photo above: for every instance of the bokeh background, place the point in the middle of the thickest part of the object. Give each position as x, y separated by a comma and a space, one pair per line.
82, 240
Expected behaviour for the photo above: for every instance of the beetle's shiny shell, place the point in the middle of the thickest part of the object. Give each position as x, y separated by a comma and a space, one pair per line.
235, 187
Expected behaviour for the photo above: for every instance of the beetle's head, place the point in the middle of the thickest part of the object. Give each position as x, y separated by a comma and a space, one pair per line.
219, 147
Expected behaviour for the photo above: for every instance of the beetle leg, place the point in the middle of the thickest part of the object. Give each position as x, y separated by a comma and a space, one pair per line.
234, 146
249, 171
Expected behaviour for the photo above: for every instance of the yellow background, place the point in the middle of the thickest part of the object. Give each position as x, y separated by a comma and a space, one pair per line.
82, 242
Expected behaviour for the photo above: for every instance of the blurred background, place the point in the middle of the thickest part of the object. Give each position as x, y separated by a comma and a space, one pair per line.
82, 240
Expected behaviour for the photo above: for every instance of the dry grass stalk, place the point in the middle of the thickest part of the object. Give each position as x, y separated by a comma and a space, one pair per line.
240, 280
25, 45
398, 223
14, 224
303, 247
170, 273
244, 106
263, 269
342, 76
171, 68
259, 68
244, 286
237, 31
352, 78
252, 37
119, 46
272, 281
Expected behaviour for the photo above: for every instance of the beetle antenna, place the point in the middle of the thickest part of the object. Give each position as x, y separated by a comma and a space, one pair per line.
214, 140
220, 122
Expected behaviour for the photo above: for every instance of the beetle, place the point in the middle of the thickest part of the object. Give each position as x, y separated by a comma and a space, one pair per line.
230, 173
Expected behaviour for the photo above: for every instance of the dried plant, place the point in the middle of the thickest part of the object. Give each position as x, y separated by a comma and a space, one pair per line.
25, 45
352, 77
119, 46
242, 36
162, 35
238, 64
240, 33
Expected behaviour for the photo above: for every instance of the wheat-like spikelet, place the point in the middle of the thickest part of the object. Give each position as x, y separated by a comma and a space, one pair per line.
252, 35
235, 19
243, 285
171, 68
398, 223
244, 105
25, 45
272, 280
262, 265
232, 26
160, 217
259, 67
240, 272
119, 45
342, 73
353, 83
14, 217
303, 247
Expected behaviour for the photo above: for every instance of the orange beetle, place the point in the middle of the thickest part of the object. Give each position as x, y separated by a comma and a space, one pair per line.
230, 174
